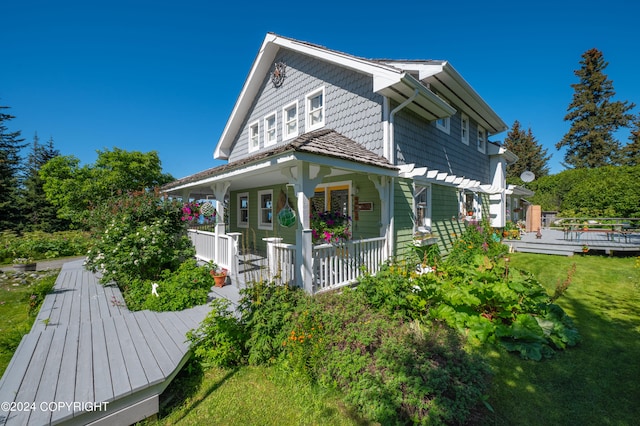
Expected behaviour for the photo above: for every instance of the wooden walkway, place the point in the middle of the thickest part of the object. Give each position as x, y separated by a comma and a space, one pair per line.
557, 242
88, 359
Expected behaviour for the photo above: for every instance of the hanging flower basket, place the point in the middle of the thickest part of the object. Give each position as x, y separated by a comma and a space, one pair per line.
330, 227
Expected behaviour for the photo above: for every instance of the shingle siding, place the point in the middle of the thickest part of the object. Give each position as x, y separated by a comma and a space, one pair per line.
421, 142
351, 107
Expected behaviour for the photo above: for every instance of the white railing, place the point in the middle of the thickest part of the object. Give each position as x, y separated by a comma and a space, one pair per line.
223, 253
338, 265
282, 261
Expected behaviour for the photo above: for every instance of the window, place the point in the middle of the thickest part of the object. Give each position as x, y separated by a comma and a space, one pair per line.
270, 130
422, 209
265, 213
470, 205
315, 110
254, 140
243, 210
464, 129
482, 140
290, 118
443, 124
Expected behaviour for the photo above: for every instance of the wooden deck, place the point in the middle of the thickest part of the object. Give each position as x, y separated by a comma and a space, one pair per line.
558, 242
88, 359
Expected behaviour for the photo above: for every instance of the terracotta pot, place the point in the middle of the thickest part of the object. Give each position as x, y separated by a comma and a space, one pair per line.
219, 279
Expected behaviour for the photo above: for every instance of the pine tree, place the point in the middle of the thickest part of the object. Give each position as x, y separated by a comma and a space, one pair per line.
594, 116
531, 155
631, 152
10, 166
38, 212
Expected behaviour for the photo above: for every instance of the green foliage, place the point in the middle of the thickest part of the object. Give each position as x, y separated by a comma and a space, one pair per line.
137, 237
74, 189
392, 370
531, 155
266, 309
184, 288
220, 339
38, 292
594, 116
10, 166
40, 245
604, 192
477, 241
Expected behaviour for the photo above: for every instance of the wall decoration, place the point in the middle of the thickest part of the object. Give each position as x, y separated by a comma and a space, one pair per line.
278, 74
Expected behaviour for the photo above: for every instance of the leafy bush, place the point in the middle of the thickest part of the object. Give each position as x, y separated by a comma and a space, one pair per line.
188, 286
138, 237
41, 245
393, 370
477, 239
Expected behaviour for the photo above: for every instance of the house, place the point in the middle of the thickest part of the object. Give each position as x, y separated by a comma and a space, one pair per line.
402, 147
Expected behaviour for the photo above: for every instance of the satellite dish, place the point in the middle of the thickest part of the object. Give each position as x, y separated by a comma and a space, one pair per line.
527, 176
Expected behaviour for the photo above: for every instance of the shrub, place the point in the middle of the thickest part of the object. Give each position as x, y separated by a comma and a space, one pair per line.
41, 245
138, 237
188, 286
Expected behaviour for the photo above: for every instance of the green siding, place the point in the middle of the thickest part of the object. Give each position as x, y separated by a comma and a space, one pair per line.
403, 217
367, 225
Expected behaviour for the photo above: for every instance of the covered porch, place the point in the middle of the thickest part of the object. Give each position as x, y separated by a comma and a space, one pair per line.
264, 206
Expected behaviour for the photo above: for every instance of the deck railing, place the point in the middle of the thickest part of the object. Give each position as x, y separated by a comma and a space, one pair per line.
282, 261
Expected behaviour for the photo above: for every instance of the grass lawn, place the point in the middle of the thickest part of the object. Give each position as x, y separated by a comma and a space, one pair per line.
14, 312
594, 383
251, 396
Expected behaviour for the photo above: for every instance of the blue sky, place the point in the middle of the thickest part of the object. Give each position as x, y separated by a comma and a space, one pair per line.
164, 75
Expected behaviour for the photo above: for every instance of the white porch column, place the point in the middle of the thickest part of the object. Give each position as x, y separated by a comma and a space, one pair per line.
219, 192
304, 186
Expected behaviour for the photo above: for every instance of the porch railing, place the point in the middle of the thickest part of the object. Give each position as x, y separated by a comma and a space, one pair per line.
338, 265
223, 253
282, 261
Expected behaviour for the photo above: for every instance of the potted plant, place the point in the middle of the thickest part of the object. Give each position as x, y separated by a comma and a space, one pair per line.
23, 264
219, 274
585, 248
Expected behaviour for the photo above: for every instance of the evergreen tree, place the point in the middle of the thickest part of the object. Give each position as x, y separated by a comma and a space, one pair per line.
10, 165
631, 152
594, 116
38, 212
531, 155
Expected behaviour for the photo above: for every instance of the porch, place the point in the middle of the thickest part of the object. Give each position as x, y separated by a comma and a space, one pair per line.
330, 266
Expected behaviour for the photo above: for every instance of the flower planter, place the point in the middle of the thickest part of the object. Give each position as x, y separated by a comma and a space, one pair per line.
219, 278
24, 267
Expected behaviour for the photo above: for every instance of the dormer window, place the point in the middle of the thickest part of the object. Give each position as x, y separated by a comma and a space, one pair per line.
290, 118
482, 140
254, 137
314, 110
270, 134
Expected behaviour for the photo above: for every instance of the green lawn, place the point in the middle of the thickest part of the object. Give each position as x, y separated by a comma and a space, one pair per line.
595, 383
14, 312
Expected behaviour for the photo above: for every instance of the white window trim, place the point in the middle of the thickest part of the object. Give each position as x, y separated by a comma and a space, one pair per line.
267, 142
257, 147
464, 130
446, 127
240, 223
427, 214
307, 121
261, 224
482, 131
285, 134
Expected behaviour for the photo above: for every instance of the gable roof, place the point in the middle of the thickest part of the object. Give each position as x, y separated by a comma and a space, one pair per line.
323, 142
388, 80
